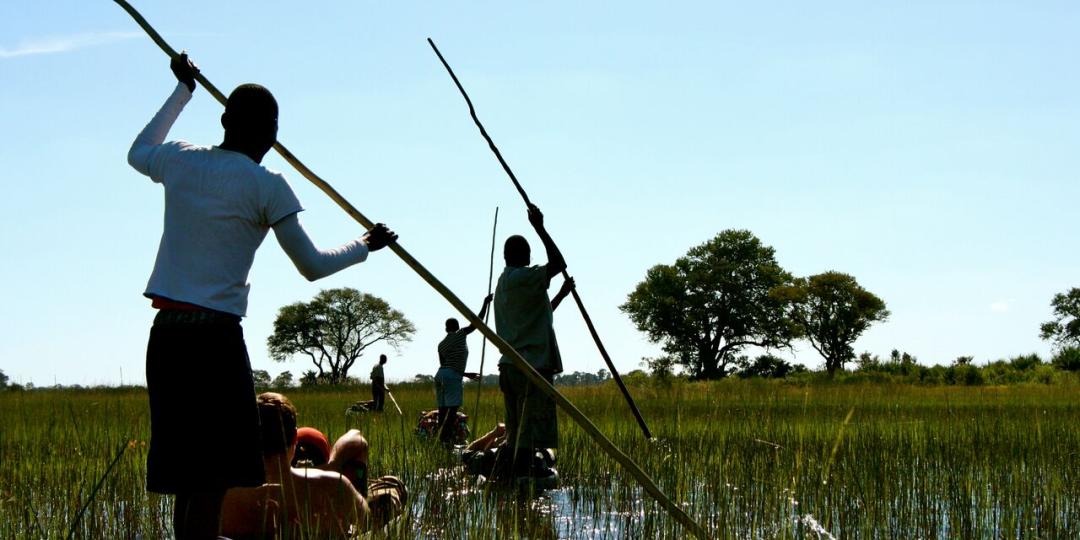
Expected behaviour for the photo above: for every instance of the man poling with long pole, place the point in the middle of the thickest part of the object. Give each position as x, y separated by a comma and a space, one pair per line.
220, 204
528, 203
647, 484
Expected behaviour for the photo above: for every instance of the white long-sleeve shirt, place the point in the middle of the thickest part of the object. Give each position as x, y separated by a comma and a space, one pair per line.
219, 205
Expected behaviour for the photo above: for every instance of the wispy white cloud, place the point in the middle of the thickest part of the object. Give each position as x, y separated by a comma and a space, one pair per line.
62, 44
1001, 306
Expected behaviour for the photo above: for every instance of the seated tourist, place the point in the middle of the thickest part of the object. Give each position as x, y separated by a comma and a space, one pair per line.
487, 456
333, 500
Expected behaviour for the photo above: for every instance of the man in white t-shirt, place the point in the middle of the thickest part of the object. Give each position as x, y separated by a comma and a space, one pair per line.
219, 205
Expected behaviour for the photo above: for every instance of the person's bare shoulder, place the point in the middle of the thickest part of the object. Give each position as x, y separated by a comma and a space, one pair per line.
333, 494
331, 482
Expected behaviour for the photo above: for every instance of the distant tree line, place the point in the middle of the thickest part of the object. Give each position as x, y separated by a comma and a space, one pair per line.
721, 297
1029, 368
577, 378
730, 293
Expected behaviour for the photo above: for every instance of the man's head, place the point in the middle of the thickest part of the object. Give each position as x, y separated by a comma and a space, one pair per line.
277, 415
382, 359
311, 446
452, 325
251, 118
516, 251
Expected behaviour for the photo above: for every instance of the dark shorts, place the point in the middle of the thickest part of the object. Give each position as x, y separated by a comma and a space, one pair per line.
378, 394
204, 424
531, 421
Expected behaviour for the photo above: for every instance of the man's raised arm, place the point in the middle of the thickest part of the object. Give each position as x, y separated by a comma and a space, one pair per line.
146, 155
555, 263
480, 315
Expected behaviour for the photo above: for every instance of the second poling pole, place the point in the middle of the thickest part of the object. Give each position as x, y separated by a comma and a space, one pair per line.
483, 343
525, 196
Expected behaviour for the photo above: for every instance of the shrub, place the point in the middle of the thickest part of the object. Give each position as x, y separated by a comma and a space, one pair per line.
636, 377
999, 372
964, 374
766, 366
974, 376
933, 375
867, 362
1068, 359
1045, 374
1025, 362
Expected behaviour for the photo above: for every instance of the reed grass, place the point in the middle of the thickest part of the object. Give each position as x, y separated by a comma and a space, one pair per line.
748, 459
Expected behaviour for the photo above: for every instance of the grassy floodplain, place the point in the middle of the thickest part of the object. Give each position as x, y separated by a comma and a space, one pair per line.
748, 459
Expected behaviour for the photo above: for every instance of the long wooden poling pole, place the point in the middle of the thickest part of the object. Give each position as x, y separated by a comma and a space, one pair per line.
392, 400
572, 411
483, 344
525, 196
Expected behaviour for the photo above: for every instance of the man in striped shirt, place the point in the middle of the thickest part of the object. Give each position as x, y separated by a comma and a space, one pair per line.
453, 355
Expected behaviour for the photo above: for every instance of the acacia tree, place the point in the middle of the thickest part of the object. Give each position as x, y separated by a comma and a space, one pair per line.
1064, 330
335, 328
712, 303
831, 310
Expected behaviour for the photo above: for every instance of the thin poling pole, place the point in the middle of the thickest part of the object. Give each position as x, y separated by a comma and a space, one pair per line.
647, 483
483, 344
525, 196
392, 400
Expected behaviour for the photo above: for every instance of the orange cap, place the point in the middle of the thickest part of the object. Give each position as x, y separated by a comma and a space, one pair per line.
312, 440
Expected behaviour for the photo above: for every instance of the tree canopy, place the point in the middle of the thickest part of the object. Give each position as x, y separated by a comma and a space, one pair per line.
283, 380
831, 310
1064, 330
335, 328
261, 378
713, 302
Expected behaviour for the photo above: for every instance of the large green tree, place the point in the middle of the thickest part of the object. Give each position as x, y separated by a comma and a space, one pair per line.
712, 303
261, 378
1064, 329
335, 328
283, 380
831, 310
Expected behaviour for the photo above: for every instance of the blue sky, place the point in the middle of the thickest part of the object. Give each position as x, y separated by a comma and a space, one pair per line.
927, 148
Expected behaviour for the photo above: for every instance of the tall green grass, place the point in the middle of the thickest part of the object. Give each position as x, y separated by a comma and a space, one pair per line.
748, 459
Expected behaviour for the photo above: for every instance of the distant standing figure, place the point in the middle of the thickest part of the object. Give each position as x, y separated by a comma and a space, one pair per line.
523, 318
378, 384
453, 356
220, 203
